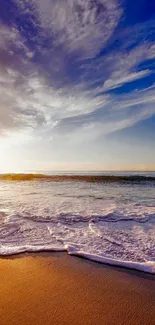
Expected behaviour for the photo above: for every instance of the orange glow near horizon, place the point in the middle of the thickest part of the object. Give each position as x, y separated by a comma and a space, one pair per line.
57, 168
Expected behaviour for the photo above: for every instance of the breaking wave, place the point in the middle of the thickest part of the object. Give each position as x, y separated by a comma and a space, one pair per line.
107, 223
80, 178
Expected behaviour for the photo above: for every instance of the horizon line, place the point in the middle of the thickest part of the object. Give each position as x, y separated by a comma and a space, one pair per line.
76, 170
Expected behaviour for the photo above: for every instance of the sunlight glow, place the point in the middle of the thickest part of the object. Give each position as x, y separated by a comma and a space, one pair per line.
10, 152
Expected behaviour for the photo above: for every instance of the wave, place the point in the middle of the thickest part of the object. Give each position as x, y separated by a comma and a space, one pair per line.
84, 178
71, 218
103, 239
117, 230
147, 267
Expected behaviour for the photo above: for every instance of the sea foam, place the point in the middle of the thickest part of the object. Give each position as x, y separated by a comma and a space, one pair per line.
103, 222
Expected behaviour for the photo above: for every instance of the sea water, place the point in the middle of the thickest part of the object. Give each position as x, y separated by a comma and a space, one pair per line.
106, 220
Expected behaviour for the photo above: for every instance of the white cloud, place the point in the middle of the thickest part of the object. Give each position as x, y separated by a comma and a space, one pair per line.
119, 67
40, 110
10, 38
115, 83
119, 112
31, 102
77, 25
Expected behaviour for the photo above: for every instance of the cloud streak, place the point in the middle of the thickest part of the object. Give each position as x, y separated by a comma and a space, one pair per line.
57, 83
77, 25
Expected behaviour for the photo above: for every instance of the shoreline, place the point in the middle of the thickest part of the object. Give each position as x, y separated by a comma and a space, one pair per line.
54, 288
147, 267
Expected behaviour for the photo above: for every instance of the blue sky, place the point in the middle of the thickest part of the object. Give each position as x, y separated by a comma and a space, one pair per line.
77, 84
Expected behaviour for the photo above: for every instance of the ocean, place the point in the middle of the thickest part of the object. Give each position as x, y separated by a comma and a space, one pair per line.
105, 217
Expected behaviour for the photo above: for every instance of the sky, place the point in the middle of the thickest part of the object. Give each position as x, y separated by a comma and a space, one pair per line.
77, 85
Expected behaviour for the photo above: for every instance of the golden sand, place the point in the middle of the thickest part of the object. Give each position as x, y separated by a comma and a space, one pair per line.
55, 288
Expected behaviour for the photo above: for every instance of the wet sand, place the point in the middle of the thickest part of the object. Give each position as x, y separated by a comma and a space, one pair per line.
43, 289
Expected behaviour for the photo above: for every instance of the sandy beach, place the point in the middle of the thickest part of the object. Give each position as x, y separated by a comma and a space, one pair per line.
58, 289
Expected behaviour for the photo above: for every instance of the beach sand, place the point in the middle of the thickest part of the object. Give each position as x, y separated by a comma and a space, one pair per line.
43, 289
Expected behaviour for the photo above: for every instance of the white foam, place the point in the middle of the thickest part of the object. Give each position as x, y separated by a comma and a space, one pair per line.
148, 266
8, 251
117, 229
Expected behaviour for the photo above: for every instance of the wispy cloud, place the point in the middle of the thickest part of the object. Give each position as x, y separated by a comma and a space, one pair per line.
77, 25
118, 82
119, 67
58, 82
118, 112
